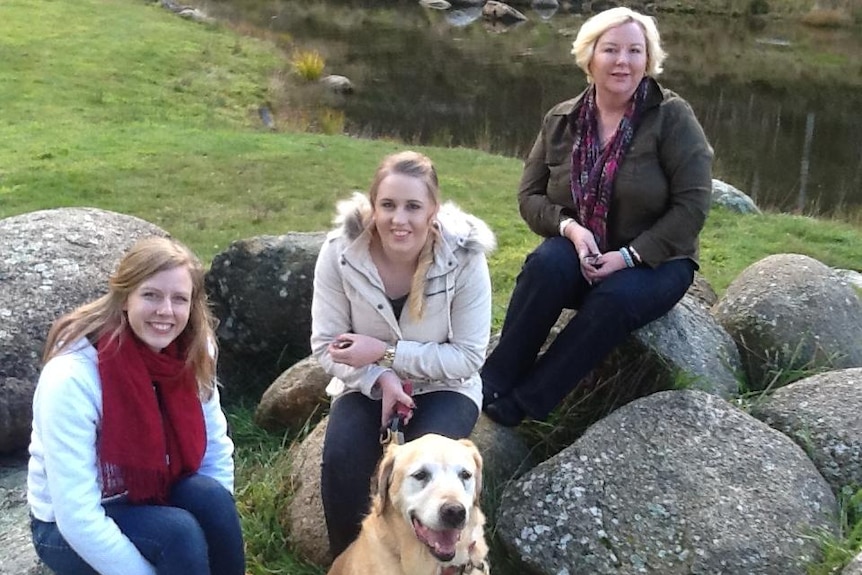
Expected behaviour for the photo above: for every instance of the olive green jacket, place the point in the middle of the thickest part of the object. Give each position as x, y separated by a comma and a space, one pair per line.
662, 191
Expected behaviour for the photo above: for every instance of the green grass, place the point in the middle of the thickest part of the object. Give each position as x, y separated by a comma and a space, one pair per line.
121, 105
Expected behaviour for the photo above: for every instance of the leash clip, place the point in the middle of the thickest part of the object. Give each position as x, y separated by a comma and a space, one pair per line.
392, 432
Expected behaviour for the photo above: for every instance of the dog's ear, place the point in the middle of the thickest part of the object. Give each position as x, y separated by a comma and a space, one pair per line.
477, 458
384, 479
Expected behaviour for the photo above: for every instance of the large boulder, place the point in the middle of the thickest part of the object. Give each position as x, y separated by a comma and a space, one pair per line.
676, 483
294, 398
855, 566
261, 290
52, 261
686, 348
504, 453
821, 413
791, 313
733, 199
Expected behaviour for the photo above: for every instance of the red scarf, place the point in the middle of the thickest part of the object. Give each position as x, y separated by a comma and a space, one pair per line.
153, 429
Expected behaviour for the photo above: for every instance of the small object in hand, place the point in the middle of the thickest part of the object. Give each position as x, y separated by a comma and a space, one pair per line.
590, 258
343, 343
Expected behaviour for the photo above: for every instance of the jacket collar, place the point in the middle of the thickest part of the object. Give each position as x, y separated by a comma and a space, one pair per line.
458, 230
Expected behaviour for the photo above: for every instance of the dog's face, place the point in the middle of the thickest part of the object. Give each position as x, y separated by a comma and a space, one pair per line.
434, 483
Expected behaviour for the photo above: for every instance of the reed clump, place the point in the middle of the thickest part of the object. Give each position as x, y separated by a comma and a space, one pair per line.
308, 64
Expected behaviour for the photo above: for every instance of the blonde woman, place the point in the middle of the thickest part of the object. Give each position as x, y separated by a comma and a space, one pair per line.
619, 183
131, 468
401, 292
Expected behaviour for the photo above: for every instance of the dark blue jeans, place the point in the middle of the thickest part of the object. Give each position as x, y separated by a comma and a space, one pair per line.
607, 313
197, 534
352, 449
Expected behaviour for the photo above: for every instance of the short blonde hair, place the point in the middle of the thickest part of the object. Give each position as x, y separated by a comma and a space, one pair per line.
584, 45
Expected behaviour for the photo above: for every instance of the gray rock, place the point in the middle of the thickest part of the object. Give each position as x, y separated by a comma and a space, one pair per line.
677, 483
493, 10
790, 313
855, 566
294, 398
17, 555
821, 413
435, 4
52, 261
852, 277
688, 348
463, 16
337, 84
261, 290
733, 199
303, 517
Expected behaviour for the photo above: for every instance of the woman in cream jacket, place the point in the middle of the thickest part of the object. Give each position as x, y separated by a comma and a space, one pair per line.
401, 292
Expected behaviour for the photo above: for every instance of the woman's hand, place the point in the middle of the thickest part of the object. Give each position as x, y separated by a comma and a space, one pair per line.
597, 268
392, 390
356, 350
588, 251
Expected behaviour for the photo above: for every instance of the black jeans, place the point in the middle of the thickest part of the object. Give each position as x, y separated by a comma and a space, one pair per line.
608, 312
352, 449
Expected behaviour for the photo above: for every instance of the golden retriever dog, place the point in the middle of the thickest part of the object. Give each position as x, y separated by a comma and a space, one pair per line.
425, 517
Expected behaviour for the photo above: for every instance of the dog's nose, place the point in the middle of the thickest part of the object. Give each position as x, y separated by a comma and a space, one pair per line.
453, 515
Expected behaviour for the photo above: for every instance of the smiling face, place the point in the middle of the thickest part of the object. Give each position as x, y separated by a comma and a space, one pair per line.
434, 484
619, 61
158, 309
403, 212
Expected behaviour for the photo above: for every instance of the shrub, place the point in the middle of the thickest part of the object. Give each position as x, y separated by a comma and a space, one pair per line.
308, 64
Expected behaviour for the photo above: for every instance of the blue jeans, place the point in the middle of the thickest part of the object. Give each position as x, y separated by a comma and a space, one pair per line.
607, 313
351, 450
197, 534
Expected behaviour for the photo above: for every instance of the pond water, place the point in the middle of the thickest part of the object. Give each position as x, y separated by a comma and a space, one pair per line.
779, 101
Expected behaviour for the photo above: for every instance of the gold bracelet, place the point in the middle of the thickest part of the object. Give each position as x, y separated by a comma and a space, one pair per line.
388, 357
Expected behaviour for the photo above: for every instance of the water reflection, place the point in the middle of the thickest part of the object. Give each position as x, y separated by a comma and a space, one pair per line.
779, 102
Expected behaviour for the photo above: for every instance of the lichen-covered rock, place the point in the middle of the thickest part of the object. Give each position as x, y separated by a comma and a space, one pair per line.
790, 312
261, 290
822, 414
688, 349
676, 483
855, 567
294, 397
52, 261
727, 196
17, 555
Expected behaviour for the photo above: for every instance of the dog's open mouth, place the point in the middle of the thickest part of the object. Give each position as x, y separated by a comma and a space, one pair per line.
441, 543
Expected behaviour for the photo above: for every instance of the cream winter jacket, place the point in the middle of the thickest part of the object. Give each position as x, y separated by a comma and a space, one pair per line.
442, 350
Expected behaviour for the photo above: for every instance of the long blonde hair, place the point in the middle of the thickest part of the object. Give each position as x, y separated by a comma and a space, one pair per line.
416, 165
584, 45
105, 315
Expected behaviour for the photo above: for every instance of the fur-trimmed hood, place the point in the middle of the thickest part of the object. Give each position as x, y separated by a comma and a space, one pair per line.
458, 228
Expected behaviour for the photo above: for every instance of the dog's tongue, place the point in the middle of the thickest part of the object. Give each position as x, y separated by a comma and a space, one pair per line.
442, 543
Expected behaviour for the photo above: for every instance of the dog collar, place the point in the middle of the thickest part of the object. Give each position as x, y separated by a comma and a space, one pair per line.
468, 567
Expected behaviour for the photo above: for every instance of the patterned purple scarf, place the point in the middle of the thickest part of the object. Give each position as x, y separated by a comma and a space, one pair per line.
593, 168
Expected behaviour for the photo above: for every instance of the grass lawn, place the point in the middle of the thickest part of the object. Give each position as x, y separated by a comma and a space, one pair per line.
121, 105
